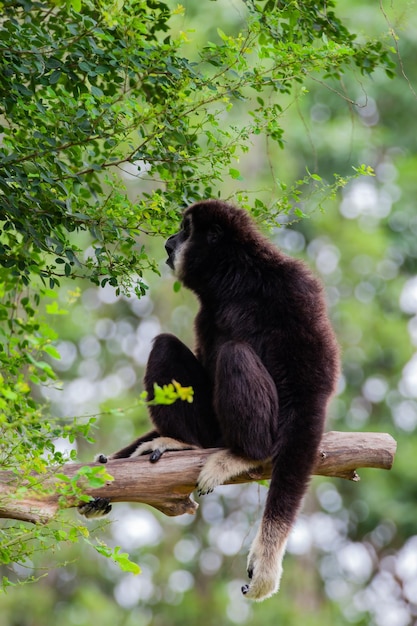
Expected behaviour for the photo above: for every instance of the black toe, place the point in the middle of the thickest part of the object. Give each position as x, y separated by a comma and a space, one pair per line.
155, 456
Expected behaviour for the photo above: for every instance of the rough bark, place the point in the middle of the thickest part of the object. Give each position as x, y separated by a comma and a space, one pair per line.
168, 484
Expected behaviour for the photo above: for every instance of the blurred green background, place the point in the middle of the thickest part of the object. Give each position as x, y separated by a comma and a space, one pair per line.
352, 557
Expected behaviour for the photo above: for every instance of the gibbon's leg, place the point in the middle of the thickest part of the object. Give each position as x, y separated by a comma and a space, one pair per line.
179, 426
246, 402
182, 425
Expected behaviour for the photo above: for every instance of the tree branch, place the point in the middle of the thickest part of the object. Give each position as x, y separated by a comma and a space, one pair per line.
168, 484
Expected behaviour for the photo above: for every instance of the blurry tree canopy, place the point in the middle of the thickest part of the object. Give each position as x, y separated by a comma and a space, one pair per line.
93, 95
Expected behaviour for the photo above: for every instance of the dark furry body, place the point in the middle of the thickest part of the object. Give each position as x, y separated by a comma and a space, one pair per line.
266, 360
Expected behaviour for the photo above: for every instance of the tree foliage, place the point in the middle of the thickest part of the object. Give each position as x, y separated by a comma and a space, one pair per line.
93, 94
85, 93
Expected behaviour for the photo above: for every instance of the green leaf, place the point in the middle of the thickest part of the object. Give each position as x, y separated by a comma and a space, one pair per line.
96, 91
76, 5
123, 561
54, 309
55, 76
52, 351
235, 173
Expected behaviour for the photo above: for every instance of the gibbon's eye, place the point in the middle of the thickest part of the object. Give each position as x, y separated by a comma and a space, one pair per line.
186, 225
214, 233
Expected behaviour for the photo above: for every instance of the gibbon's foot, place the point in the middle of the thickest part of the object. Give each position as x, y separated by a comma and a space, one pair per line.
157, 447
220, 467
101, 458
265, 562
263, 583
96, 507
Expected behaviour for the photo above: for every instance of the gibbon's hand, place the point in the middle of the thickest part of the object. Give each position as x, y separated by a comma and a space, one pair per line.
96, 507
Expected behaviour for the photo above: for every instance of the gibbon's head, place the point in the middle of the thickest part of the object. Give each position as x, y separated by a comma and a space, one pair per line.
215, 243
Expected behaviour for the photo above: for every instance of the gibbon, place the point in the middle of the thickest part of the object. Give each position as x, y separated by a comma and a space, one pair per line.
263, 369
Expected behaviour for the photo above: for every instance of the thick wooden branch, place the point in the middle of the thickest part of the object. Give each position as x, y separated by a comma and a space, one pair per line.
168, 484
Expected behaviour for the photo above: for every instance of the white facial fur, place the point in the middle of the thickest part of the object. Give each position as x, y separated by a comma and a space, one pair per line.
179, 258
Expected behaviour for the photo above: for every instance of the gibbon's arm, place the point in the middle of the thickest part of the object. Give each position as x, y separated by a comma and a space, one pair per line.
167, 485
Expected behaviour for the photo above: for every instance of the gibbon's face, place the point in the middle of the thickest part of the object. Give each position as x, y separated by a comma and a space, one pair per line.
176, 244
200, 237
196, 250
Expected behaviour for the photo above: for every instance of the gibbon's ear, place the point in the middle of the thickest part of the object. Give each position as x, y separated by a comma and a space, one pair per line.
214, 233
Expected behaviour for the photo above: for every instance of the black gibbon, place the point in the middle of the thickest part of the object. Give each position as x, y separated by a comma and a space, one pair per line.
265, 365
